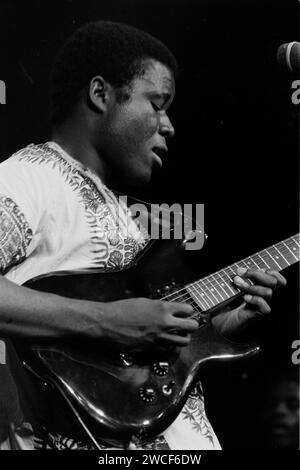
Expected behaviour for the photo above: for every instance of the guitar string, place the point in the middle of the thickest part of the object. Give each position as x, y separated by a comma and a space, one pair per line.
207, 281
229, 267
185, 296
284, 250
189, 297
198, 290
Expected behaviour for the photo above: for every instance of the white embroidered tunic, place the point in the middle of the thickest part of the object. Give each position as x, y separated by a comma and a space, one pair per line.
57, 215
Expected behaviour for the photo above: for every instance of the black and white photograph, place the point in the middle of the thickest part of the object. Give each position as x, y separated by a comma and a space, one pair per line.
149, 228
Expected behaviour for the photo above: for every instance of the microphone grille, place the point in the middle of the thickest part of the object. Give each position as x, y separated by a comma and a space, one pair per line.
288, 55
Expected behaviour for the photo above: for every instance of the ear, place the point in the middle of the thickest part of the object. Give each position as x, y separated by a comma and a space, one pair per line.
99, 93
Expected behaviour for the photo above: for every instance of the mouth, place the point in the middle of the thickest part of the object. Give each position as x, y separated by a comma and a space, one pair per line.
159, 153
279, 428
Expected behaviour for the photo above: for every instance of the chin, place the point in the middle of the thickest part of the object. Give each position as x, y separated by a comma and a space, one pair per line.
136, 180
141, 181
141, 177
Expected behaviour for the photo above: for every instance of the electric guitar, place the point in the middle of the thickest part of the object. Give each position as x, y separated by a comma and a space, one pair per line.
116, 395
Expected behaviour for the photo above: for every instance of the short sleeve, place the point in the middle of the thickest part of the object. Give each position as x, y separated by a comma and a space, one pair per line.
15, 234
20, 211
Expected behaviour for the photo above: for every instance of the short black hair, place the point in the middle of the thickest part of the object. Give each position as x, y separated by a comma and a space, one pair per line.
116, 51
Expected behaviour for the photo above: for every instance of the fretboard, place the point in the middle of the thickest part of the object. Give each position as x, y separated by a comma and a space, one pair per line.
213, 290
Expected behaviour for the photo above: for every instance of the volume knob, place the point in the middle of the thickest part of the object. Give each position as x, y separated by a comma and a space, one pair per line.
147, 394
161, 368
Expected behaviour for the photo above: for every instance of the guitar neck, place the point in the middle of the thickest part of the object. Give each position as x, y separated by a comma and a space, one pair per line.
211, 291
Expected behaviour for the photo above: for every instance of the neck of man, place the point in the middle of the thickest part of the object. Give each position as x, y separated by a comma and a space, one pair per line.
74, 139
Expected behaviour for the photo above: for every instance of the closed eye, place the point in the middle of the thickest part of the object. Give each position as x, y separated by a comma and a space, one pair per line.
155, 107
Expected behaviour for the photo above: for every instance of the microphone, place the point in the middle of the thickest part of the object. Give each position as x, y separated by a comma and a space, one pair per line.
288, 55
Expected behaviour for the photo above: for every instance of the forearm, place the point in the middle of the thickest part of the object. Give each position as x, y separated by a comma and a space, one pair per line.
136, 324
27, 313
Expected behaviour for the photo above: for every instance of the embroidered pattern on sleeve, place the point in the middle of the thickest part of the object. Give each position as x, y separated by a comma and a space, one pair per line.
15, 234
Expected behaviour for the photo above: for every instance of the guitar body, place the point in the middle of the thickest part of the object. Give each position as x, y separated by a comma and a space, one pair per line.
121, 395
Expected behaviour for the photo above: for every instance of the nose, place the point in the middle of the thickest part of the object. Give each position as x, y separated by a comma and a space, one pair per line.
166, 128
281, 408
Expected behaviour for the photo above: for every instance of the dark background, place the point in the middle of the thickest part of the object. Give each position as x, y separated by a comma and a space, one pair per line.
235, 149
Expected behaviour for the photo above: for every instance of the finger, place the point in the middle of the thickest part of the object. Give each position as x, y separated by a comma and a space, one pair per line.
265, 292
175, 340
281, 280
241, 283
241, 271
185, 324
258, 302
257, 276
181, 309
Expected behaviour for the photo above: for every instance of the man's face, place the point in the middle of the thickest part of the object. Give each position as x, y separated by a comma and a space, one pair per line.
282, 415
138, 128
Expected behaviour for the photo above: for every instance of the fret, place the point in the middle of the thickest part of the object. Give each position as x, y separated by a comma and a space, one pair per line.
263, 261
295, 247
195, 306
200, 299
203, 305
235, 267
223, 284
280, 258
273, 263
206, 293
208, 290
212, 288
192, 294
285, 253
232, 274
293, 254
242, 264
259, 261
228, 280
218, 287
250, 263
200, 295
254, 262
